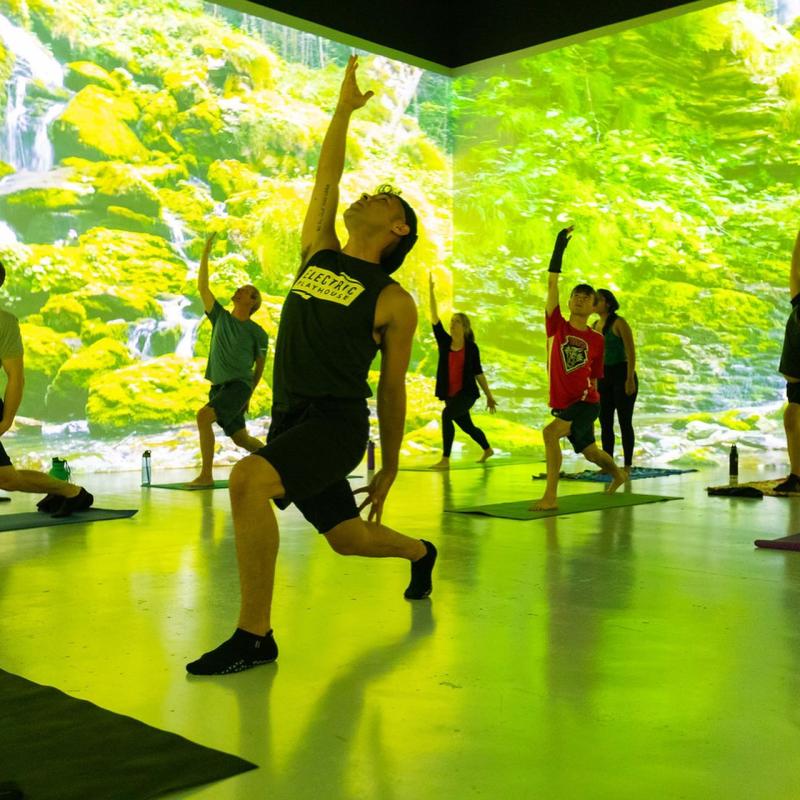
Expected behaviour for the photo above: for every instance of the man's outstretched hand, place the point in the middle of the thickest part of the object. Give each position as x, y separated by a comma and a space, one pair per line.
350, 96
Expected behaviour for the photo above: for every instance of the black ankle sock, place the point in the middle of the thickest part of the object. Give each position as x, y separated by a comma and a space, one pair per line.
242, 651
80, 502
791, 484
421, 584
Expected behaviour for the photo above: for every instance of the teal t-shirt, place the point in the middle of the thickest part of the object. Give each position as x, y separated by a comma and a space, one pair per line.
235, 346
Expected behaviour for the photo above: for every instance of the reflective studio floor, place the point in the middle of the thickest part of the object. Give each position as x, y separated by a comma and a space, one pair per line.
629, 653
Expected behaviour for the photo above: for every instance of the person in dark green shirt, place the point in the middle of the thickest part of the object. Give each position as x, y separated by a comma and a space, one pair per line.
235, 365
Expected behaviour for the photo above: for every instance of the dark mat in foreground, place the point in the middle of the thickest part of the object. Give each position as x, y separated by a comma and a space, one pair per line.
567, 504
637, 473
55, 747
36, 519
784, 543
495, 461
750, 489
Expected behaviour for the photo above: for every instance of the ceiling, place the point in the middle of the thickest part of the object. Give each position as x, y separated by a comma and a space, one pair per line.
463, 32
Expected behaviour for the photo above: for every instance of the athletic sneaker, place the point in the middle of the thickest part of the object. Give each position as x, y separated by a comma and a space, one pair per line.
50, 503
421, 584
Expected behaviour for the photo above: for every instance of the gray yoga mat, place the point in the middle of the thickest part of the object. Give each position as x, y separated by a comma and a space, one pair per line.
36, 519
567, 504
55, 747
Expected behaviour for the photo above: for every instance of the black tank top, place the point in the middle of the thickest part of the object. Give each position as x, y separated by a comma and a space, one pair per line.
325, 346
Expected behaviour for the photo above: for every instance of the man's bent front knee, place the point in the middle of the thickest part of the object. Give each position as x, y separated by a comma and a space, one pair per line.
254, 474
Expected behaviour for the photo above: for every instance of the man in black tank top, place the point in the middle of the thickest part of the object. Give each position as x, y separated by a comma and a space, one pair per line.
342, 308
790, 369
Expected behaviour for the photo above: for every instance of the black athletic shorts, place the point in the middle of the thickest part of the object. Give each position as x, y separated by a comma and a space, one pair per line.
582, 416
5, 461
314, 447
229, 401
793, 391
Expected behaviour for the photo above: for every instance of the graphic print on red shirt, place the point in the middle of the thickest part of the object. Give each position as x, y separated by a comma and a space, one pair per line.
575, 359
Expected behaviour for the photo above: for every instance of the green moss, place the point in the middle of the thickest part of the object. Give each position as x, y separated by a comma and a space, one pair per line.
95, 125
63, 312
67, 395
79, 74
45, 352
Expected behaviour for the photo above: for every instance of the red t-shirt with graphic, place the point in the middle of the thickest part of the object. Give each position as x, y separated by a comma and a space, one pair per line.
575, 359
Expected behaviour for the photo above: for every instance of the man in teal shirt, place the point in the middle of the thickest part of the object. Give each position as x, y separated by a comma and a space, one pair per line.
235, 365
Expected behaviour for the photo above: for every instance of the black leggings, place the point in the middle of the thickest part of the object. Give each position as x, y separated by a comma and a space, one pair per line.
456, 410
613, 398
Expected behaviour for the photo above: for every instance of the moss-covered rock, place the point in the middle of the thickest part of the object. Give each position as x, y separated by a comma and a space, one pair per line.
148, 395
67, 395
45, 353
6, 169
108, 303
95, 125
93, 330
79, 74
63, 312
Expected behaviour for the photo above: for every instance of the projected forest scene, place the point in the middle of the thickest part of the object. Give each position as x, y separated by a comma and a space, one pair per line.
130, 130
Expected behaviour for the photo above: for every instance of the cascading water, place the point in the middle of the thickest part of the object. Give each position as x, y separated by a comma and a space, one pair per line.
27, 145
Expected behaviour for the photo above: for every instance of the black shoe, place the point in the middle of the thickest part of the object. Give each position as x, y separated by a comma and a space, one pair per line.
242, 651
80, 502
50, 503
421, 584
791, 484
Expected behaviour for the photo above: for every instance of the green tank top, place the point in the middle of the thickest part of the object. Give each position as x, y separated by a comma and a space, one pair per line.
325, 346
615, 348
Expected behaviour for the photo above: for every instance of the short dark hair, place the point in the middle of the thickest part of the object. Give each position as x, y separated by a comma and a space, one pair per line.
2, 273
583, 288
395, 257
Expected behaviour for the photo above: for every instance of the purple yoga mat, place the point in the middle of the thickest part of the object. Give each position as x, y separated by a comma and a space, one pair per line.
784, 543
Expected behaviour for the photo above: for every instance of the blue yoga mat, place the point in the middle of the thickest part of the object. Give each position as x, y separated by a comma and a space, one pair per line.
594, 476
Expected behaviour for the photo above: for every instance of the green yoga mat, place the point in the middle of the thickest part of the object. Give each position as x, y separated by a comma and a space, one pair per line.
495, 461
567, 504
36, 519
55, 747
182, 487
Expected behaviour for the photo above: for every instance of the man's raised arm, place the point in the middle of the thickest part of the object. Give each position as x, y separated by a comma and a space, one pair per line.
319, 226
202, 276
554, 270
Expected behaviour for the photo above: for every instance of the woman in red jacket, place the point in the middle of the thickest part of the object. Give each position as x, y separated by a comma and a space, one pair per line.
458, 375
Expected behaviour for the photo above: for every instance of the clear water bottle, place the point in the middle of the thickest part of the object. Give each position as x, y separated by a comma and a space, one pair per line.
59, 469
146, 469
371, 455
733, 462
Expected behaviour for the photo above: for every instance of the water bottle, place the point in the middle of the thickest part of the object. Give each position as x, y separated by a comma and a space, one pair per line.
59, 469
371, 456
146, 468
733, 462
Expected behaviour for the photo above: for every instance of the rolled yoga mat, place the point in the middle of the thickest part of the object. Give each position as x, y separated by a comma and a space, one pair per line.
637, 473
55, 747
36, 519
784, 543
567, 504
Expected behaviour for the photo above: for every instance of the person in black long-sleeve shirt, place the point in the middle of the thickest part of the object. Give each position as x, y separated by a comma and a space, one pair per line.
458, 374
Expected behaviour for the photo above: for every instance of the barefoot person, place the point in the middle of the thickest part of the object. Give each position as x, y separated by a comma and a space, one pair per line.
619, 385
458, 374
790, 369
342, 308
61, 498
235, 365
575, 362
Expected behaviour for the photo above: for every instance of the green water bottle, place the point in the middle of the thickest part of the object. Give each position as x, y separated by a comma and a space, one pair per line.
60, 469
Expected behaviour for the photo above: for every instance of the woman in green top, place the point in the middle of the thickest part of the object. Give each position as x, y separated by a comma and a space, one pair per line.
619, 386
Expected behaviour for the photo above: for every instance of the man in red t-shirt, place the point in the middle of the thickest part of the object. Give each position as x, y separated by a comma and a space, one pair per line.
574, 363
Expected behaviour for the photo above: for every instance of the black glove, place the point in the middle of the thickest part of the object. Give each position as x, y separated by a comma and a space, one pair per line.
564, 235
